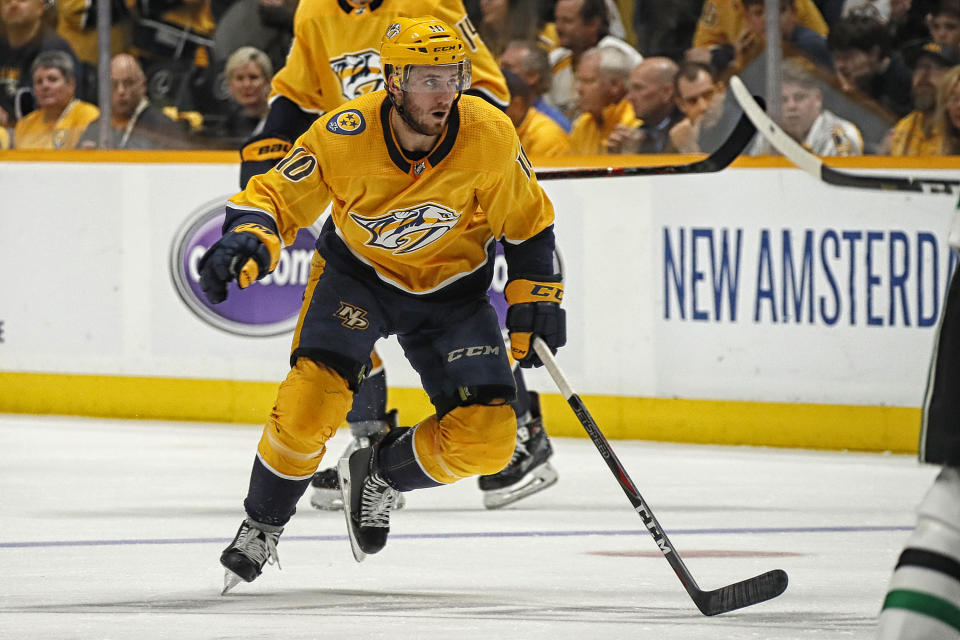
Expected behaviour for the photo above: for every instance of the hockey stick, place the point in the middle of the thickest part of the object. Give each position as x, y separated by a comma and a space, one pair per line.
719, 159
815, 166
734, 596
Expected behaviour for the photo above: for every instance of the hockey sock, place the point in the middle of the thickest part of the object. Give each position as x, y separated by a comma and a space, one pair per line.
923, 601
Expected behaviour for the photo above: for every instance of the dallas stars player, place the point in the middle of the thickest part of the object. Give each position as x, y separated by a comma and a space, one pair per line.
407, 251
335, 58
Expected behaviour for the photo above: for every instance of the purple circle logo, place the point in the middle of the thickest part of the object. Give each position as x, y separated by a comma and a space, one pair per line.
268, 307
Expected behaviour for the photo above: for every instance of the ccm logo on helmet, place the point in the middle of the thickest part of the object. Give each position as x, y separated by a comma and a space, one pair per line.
469, 352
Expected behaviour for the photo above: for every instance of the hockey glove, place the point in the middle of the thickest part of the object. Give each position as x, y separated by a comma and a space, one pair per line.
535, 310
245, 253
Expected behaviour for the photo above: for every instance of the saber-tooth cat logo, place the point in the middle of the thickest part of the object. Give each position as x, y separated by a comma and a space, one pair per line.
267, 307
406, 230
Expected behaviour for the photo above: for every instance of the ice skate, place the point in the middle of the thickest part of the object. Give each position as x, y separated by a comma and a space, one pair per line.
368, 501
529, 470
325, 484
254, 546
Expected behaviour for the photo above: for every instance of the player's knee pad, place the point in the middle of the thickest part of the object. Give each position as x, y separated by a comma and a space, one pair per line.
926, 581
477, 439
311, 404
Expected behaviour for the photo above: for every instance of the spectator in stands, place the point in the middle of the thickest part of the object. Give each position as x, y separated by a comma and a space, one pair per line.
266, 25
135, 123
581, 25
248, 77
918, 134
665, 28
59, 119
77, 24
602, 86
805, 120
723, 22
506, 20
948, 111
702, 97
651, 91
539, 135
944, 23
23, 36
795, 38
865, 62
4, 139
529, 61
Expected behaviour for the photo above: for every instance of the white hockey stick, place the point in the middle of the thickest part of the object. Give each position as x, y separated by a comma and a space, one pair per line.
732, 596
813, 165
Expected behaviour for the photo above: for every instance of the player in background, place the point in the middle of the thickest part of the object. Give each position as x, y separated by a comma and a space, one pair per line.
335, 58
407, 251
923, 599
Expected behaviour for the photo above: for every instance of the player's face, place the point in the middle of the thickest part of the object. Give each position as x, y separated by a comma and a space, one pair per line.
52, 89
800, 107
249, 85
945, 29
429, 96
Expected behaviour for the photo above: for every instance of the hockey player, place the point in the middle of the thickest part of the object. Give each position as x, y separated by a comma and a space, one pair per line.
923, 600
407, 251
335, 58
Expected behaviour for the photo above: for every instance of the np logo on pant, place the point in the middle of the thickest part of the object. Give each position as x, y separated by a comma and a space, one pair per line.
352, 317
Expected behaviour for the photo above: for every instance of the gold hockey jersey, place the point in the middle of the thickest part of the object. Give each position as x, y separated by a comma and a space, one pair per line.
335, 55
422, 225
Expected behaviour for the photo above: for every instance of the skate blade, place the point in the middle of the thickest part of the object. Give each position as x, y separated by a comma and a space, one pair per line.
230, 580
536, 481
343, 470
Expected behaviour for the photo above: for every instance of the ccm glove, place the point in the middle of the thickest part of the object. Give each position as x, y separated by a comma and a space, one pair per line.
535, 310
245, 253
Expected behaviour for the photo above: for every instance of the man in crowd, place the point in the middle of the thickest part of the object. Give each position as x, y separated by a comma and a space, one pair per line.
917, 134
866, 63
944, 23
602, 86
135, 123
540, 136
581, 25
805, 120
59, 119
796, 39
702, 99
530, 61
651, 91
23, 36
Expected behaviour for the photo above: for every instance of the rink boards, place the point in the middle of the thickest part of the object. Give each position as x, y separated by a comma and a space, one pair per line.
752, 306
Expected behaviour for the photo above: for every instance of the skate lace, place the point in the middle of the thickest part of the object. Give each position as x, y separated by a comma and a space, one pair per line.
376, 502
258, 549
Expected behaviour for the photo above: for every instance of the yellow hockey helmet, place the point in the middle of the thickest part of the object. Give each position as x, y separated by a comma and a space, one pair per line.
426, 41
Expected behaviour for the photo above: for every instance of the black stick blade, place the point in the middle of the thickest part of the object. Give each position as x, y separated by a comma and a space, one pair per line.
742, 594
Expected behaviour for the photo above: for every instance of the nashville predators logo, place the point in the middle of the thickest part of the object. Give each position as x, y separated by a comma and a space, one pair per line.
348, 123
406, 230
351, 316
393, 30
358, 72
